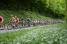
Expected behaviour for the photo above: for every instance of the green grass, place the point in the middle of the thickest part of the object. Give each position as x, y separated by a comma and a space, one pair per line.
9, 36
52, 34
49, 34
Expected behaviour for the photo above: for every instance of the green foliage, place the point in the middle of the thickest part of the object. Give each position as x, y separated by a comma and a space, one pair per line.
51, 8
57, 6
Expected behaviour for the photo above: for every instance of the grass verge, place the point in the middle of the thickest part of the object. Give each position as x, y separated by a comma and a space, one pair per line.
49, 34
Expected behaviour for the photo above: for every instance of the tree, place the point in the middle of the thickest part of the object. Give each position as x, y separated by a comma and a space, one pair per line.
57, 6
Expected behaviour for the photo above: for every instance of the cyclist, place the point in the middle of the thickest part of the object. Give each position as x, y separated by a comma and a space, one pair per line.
12, 21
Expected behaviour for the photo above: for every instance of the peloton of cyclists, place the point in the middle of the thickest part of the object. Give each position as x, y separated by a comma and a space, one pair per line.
14, 21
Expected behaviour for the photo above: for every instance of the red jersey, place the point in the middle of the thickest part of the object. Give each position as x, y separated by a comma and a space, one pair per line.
17, 20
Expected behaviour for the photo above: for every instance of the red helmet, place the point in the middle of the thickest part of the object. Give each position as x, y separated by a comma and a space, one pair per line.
1, 18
